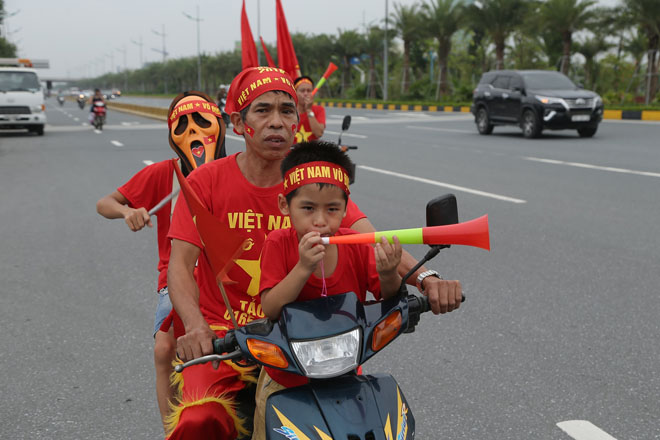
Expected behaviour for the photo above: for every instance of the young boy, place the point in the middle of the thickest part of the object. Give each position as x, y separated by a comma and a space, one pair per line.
295, 266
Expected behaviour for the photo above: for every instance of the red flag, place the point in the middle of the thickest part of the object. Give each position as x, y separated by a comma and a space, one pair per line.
249, 49
271, 63
286, 55
222, 245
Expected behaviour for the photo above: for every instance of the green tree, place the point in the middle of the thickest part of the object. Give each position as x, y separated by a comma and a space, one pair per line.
647, 14
442, 18
349, 44
590, 48
406, 21
499, 18
565, 17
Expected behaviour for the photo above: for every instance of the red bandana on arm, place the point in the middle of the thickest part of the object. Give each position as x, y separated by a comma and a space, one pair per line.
316, 172
254, 82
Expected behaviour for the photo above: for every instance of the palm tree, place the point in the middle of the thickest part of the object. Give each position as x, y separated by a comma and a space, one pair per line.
406, 23
348, 44
647, 14
566, 17
442, 19
590, 48
499, 18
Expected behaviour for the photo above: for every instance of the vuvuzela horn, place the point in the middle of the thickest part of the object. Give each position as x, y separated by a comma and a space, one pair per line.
470, 233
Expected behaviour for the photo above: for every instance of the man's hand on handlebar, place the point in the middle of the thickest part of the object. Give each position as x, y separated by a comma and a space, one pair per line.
197, 342
444, 295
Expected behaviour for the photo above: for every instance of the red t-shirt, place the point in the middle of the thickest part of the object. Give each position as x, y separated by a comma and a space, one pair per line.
252, 210
305, 129
355, 272
144, 190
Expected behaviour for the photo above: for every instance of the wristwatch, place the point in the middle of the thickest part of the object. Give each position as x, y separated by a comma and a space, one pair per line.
310, 114
423, 275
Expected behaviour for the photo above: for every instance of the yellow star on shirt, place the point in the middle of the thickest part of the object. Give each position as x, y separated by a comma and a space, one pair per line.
252, 268
302, 135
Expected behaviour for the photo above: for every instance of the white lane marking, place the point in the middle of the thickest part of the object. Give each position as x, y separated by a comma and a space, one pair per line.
97, 131
84, 124
451, 130
444, 185
583, 430
336, 133
117, 143
76, 119
128, 124
594, 167
147, 162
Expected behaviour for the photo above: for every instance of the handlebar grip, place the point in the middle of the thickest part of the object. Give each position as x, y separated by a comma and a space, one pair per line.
224, 345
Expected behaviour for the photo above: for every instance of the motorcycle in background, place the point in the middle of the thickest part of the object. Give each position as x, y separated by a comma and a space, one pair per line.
60, 100
81, 101
99, 111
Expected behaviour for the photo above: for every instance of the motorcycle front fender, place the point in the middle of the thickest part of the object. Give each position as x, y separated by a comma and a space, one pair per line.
347, 407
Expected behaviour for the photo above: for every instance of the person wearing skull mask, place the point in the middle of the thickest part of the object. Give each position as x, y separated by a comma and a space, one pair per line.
197, 135
242, 189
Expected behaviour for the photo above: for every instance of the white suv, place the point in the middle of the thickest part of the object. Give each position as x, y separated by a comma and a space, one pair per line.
21, 100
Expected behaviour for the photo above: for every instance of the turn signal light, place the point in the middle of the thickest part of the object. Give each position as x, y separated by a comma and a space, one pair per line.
267, 353
386, 330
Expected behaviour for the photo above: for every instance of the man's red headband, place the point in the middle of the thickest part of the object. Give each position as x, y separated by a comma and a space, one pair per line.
316, 172
254, 82
200, 106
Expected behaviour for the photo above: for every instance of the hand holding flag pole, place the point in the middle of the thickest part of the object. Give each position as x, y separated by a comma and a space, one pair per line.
329, 71
470, 233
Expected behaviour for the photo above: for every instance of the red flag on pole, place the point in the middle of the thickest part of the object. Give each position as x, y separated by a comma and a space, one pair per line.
286, 55
222, 245
249, 49
269, 59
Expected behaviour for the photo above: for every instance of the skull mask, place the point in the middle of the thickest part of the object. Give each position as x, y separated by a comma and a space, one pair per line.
197, 132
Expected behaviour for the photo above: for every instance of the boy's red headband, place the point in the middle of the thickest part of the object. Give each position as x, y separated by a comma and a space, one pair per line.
254, 82
303, 81
199, 105
316, 172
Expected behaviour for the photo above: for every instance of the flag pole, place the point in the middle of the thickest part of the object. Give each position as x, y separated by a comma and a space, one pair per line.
227, 304
163, 202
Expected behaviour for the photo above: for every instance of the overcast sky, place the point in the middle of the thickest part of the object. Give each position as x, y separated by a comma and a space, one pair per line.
84, 37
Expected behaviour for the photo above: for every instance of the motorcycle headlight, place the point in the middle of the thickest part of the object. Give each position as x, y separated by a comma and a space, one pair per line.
329, 357
551, 100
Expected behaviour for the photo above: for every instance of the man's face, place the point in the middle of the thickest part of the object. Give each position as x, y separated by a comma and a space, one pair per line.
270, 125
304, 91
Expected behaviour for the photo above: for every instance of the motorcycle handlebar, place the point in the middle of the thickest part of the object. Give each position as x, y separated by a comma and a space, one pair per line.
226, 344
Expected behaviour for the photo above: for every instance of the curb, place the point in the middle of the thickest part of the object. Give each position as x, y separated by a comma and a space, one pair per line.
158, 113
638, 115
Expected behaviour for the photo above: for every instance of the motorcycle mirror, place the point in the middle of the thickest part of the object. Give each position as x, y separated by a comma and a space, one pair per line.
442, 211
346, 123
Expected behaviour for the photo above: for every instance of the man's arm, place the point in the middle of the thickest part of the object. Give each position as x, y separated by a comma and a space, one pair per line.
444, 295
184, 293
115, 205
316, 126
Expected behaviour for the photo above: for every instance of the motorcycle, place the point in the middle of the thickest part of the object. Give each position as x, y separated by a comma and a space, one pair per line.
327, 339
60, 100
81, 101
99, 115
345, 124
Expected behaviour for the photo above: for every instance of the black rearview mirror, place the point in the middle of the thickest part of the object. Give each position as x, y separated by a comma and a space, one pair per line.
442, 211
346, 123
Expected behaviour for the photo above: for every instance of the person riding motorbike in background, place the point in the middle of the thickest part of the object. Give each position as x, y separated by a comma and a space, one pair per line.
96, 97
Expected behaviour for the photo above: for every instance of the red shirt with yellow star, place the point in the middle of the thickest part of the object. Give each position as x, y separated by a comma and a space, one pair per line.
252, 210
304, 129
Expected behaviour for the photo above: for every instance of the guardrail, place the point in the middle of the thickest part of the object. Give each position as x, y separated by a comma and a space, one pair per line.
159, 113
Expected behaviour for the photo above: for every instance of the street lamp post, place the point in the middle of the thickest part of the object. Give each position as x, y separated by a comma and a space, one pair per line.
164, 52
385, 56
199, 55
139, 44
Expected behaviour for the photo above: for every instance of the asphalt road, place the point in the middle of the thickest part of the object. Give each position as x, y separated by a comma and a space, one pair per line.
561, 321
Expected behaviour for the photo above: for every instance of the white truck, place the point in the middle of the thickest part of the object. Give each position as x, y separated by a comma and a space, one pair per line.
22, 102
